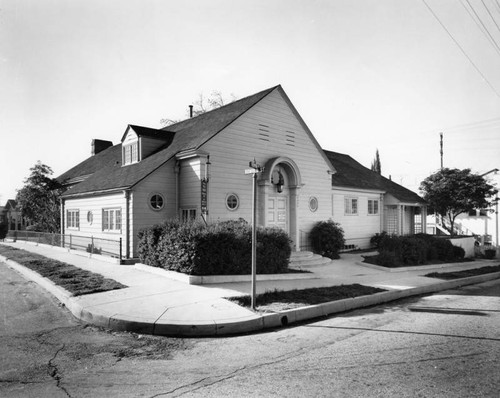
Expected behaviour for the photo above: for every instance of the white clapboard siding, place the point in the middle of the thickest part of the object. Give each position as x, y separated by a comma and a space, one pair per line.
190, 184
161, 181
358, 228
95, 205
270, 129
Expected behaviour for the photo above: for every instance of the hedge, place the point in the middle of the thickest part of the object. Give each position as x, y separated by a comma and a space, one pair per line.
221, 248
417, 249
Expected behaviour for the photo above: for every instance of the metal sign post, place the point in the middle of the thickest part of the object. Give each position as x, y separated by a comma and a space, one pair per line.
254, 170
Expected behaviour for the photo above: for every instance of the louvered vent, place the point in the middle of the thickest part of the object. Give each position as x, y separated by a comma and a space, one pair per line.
263, 132
290, 138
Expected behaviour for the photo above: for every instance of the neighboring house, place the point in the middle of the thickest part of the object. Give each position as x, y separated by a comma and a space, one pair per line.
366, 203
196, 168
12, 216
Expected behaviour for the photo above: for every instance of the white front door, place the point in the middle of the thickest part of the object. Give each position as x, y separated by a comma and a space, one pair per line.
277, 213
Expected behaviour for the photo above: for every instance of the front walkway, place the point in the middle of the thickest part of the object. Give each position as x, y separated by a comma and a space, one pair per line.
156, 304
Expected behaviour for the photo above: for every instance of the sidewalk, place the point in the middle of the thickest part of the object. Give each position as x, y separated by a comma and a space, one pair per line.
155, 303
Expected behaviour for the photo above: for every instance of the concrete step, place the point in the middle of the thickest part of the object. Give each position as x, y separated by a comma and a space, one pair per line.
307, 260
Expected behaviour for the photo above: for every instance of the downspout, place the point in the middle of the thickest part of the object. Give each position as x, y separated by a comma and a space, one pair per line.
127, 223
177, 171
63, 221
382, 213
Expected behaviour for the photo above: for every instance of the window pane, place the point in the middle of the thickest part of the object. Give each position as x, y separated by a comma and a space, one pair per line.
118, 214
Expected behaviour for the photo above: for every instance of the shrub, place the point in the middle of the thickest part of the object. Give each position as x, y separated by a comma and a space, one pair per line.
490, 254
215, 249
387, 259
327, 238
458, 253
415, 250
4, 228
376, 239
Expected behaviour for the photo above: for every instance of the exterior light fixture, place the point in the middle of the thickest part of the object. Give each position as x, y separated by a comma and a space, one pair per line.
279, 184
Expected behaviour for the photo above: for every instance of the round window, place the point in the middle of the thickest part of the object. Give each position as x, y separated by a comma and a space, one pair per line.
313, 204
90, 217
232, 201
156, 201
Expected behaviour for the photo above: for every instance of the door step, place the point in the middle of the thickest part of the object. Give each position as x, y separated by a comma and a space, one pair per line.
307, 260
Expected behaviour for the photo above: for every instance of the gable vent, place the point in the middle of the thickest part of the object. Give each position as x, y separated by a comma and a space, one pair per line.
290, 138
264, 132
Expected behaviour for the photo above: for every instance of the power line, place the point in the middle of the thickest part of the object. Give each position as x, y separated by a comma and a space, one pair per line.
492, 39
461, 49
482, 28
491, 16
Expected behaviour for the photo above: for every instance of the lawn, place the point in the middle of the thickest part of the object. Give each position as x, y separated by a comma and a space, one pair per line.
73, 279
464, 274
279, 300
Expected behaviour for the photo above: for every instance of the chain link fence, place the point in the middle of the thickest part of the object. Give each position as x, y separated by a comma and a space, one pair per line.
89, 244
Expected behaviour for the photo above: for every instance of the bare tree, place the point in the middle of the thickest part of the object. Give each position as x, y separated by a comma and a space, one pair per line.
204, 104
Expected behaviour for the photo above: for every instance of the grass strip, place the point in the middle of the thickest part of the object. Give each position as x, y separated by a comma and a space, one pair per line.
303, 297
464, 274
75, 280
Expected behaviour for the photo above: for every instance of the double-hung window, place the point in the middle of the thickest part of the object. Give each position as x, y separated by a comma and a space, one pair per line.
351, 206
372, 206
73, 219
188, 214
112, 220
131, 153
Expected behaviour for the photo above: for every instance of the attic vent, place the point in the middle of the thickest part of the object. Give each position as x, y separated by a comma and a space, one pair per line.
263, 132
290, 138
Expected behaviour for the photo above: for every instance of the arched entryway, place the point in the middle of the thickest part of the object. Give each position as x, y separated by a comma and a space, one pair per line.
278, 196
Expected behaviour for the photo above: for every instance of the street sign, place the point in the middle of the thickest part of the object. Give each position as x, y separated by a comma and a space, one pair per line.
252, 171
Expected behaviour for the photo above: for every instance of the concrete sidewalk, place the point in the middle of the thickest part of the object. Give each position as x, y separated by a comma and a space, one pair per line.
156, 303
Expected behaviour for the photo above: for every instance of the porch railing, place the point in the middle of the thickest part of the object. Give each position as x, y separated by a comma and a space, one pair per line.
89, 244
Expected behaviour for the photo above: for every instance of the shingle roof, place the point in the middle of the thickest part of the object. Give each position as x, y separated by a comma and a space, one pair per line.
107, 173
148, 132
351, 174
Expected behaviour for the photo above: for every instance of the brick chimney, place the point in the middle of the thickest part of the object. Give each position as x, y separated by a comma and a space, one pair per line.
99, 146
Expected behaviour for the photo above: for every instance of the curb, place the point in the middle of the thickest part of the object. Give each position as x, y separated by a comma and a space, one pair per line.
253, 323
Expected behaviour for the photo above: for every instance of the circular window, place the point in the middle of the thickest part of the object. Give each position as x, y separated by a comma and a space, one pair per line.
232, 201
313, 204
90, 217
156, 201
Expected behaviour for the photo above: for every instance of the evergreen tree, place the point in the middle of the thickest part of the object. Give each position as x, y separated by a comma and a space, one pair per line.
376, 166
39, 199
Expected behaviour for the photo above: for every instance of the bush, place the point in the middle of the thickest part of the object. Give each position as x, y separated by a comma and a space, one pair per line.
222, 248
377, 239
4, 228
490, 254
327, 239
415, 250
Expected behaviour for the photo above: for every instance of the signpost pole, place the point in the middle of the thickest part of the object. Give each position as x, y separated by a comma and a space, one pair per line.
255, 170
254, 239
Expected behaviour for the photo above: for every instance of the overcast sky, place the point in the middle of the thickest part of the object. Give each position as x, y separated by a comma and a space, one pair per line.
365, 74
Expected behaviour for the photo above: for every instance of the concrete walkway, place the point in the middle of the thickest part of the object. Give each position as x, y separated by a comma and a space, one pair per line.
156, 303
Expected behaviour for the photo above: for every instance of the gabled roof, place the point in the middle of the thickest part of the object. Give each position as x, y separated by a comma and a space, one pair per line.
104, 160
142, 131
11, 204
107, 173
351, 174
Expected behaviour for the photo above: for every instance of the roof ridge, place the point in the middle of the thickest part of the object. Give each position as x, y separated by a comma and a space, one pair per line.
223, 107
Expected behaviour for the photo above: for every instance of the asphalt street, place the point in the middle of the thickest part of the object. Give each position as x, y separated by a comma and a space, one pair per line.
442, 345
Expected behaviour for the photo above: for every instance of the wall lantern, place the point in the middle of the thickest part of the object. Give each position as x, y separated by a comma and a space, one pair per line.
279, 184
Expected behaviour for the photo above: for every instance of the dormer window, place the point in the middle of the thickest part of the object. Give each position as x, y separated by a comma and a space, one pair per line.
131, 153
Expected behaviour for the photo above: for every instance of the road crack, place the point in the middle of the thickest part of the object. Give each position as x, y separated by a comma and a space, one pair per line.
53, 370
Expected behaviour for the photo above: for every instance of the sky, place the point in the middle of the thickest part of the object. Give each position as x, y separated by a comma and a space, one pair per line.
364, 75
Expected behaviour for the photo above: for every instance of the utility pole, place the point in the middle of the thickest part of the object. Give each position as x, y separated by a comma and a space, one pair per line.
255, 169
441, 135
